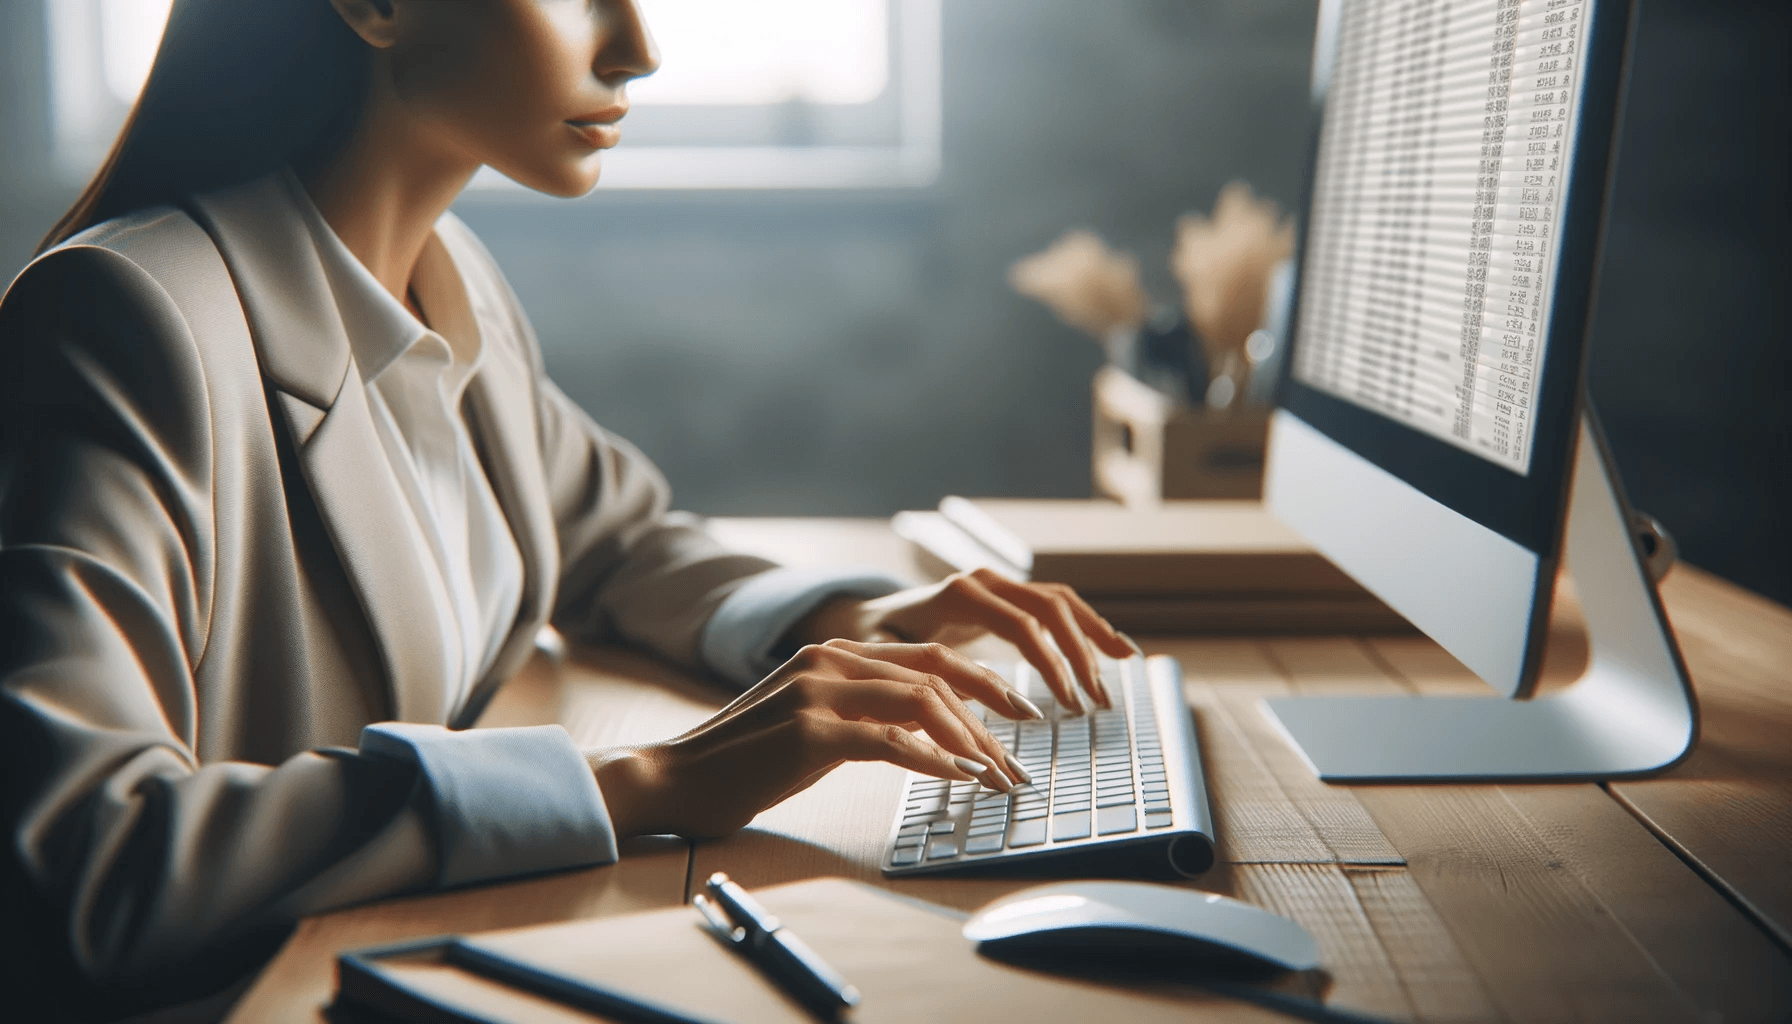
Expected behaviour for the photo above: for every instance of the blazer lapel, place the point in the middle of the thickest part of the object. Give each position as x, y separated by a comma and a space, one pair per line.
304, 354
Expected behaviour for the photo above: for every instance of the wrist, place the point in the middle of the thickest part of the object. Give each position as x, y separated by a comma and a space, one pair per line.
630, 780
840, 618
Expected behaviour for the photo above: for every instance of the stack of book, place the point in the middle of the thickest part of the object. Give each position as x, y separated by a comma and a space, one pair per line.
1176, 567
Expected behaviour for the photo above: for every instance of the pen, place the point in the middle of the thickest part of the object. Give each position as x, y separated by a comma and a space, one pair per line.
773, 948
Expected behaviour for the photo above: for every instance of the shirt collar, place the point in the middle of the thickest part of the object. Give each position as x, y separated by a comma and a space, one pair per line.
380, 329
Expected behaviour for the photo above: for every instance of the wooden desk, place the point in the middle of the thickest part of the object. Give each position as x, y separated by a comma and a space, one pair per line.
1663, 900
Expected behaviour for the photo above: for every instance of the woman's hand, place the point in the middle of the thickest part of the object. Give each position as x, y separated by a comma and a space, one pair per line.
835, 702
967, 605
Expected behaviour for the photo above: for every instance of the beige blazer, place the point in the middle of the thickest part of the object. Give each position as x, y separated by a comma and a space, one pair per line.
199, 596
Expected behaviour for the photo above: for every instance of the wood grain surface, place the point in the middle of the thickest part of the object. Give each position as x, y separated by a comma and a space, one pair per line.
1666, 899
1727, 809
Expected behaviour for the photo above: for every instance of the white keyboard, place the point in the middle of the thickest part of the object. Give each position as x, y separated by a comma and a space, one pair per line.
1114, 791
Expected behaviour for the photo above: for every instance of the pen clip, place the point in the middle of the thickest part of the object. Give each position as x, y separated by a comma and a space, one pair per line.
716, 924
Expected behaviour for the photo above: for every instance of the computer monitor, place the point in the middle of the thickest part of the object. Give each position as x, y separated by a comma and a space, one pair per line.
1432, 435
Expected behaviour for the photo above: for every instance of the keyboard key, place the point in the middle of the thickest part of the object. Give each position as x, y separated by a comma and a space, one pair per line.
909, 842
1112, 820
984, 844
913, 830
1030, 813
1074, 825
942, 849
1159, 819
940, 828
987, 828
1156, 808
903, 858
1027, 833
1116, 800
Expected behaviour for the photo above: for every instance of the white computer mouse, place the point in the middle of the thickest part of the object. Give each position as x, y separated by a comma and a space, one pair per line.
1106, 914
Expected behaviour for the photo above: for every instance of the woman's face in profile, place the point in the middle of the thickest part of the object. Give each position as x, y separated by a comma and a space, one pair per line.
532, 88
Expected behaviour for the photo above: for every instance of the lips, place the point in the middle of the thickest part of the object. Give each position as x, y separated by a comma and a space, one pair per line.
599, 127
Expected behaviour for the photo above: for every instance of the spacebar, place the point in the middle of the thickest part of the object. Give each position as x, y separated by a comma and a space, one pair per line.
1074, 825
1027, 833
1114, 820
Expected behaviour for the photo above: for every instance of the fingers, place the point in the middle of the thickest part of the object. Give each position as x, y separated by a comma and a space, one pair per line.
1051, 609
1022, 628
961, 673
896, 695
1071, 622
1089, 625
870, 741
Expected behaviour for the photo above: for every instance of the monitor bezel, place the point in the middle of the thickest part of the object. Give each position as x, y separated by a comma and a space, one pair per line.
1528, 509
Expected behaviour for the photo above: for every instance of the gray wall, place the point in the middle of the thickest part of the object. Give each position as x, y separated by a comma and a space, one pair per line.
859, 353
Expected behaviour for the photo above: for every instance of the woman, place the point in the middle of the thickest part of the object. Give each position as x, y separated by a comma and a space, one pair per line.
284, 491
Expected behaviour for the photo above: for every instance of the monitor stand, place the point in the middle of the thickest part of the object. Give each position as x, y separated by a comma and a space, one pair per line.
1632, 712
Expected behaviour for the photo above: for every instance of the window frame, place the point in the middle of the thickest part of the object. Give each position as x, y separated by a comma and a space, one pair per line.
903, 154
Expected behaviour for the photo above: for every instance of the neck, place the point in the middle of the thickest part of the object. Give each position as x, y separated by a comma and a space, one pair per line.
384, 189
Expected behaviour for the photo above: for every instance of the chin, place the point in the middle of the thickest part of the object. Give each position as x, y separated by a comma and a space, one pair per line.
567, 181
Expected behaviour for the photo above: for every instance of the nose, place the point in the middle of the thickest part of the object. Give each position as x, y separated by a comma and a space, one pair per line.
629, 50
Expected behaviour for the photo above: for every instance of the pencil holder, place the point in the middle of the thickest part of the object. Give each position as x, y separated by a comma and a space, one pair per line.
1148, 448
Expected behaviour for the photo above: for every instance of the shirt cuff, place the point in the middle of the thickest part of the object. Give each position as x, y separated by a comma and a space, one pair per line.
507, 801
740, 638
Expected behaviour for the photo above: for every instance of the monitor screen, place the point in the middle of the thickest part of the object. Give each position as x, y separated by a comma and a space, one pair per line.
1449, 244
1439, 185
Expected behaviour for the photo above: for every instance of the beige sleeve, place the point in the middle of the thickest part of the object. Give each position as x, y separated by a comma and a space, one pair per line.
137, 870
630, 568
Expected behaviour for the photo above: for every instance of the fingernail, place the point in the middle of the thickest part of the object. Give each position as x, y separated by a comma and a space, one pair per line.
1016, 770
968, 766
1023, 705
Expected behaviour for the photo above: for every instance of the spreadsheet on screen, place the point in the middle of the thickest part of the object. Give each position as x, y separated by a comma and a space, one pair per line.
1433, 230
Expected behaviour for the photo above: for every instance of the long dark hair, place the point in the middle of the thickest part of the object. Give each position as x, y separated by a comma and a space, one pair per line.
239, 88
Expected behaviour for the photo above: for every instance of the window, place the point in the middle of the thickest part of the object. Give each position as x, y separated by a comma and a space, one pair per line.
792, 94
100, 53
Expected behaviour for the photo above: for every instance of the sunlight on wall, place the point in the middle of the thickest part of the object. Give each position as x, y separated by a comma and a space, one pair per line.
876, 61
130, 31
721, 52
729, 52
